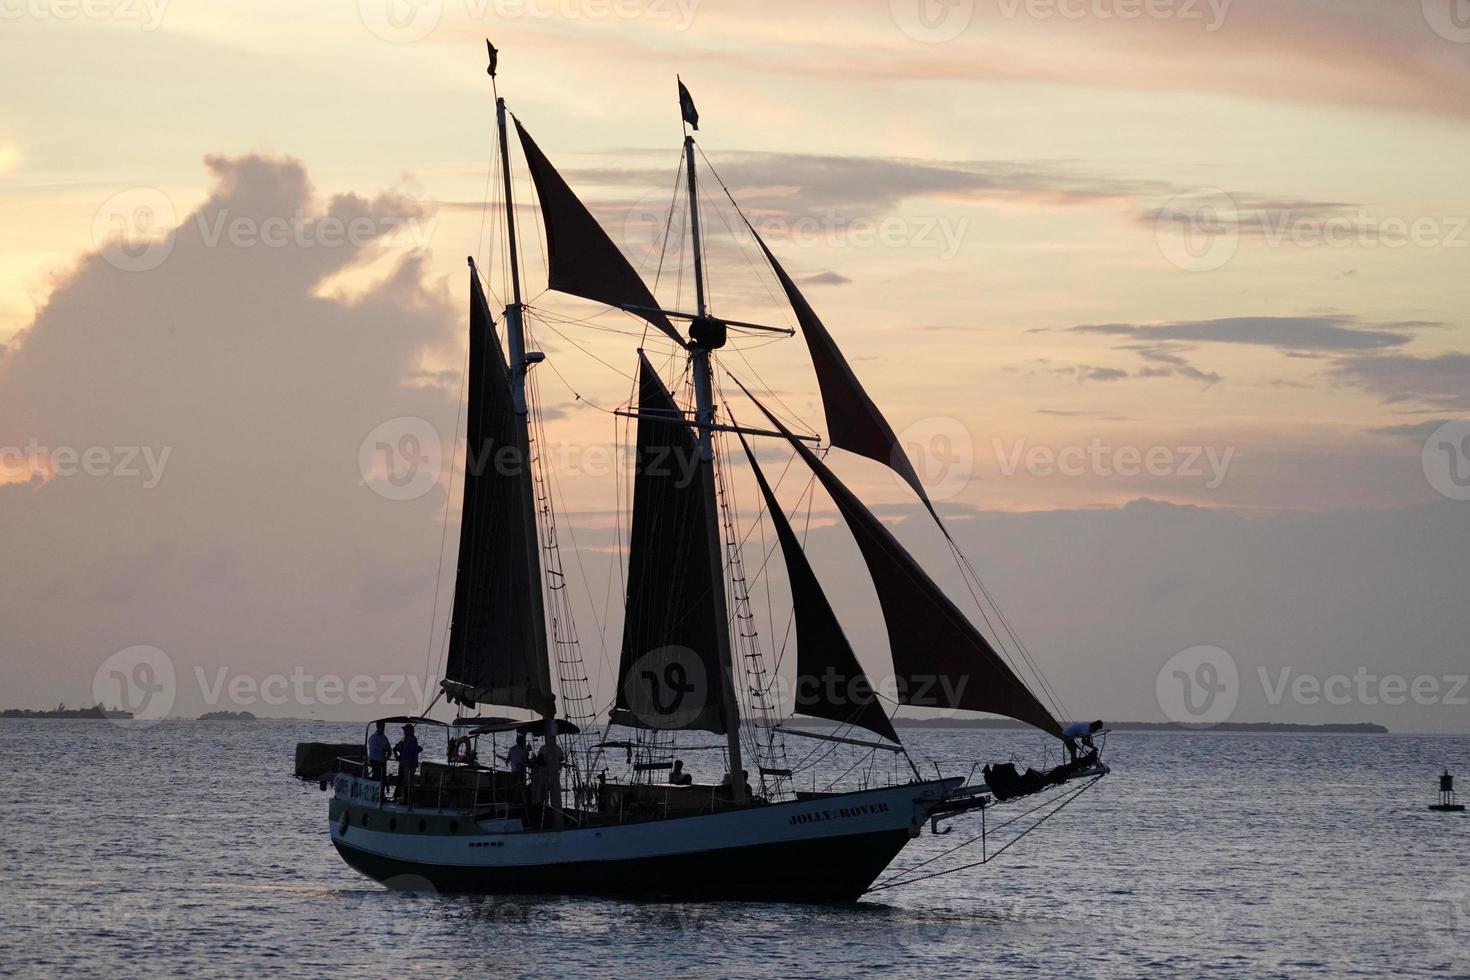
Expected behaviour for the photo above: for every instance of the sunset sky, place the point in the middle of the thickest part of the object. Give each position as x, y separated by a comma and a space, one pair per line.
1229, 237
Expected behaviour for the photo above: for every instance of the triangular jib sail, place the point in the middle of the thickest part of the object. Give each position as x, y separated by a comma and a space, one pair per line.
671, 674
497, 640
854, 422
940, 660
829, 681
581, 259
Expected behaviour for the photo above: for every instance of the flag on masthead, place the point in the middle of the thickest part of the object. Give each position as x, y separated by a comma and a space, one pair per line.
686, 106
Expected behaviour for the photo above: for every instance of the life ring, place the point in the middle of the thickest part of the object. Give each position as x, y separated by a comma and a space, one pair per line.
459, 749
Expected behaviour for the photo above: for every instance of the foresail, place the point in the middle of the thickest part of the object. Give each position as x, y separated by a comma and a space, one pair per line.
854, 422
497, 646
829, 681
940, 659
671, 675
582, 260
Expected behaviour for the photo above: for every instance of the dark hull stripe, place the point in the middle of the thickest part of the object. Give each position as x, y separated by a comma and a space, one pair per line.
833, 869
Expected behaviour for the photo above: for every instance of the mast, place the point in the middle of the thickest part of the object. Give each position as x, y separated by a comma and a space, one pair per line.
705, 335
520, 361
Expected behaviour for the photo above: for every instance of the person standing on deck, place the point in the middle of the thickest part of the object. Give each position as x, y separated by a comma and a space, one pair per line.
678, 777
517, 758
378, 748
407, 750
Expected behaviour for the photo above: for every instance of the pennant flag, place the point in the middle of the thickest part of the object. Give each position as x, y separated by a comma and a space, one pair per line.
494, 57
686, 106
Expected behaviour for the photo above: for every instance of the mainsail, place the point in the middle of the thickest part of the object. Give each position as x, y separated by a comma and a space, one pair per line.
829, 681
854, 422
497, 637
671, 675
940, 659
581, 259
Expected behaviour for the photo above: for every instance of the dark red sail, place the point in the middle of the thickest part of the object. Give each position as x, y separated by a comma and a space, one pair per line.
940, 659
671, 674
497, 652
581, 259
829, 681
853, 420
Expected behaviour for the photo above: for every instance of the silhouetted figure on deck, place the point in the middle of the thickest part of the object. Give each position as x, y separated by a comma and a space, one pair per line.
378, 750
1082, 731
408, 751
678, 776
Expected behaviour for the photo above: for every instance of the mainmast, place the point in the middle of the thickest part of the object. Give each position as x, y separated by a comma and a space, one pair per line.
519, 362
705, 335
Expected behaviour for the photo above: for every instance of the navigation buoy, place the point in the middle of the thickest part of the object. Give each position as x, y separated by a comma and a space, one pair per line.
1447, 802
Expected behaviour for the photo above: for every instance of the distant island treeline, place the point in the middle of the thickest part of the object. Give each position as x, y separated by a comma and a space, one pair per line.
97, 712
1257, 727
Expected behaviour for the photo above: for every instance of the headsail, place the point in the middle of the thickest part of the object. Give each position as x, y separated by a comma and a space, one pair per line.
581, 259
671, 674
854, 422
939, 658
829, 681
497, 641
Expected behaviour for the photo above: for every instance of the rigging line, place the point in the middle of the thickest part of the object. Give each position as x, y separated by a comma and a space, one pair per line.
444, 528
793, 419
966, 565
778, 301
668, 224
586, 321
791, 412
485, 198
588, 352
575, 394
1001, 826
937, 874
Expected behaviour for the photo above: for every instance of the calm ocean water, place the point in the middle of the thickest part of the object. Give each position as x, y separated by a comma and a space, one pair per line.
186, 848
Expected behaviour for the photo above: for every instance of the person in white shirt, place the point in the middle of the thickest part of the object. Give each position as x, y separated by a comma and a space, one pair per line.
1082, 731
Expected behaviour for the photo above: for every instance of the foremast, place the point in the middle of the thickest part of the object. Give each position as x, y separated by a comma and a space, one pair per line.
520, 363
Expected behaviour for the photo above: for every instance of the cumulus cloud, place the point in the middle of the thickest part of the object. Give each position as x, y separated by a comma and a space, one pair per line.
256, 545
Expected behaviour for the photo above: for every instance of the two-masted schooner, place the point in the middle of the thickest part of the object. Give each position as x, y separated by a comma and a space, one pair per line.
486, 818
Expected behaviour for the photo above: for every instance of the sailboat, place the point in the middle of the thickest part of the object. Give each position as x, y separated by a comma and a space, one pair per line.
568, 820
